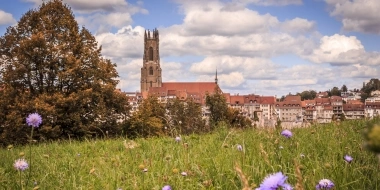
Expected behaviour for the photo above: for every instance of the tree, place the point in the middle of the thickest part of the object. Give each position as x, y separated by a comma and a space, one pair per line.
344, 88
307, 94
185, 116
217, 105
149, 120
334, 91
52, 67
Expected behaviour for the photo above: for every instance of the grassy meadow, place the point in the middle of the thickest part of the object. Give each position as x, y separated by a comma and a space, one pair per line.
210, 161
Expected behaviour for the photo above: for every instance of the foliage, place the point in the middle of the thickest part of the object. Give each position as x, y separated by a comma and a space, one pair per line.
217, 105
372, 135
209, 160
344, 88
52, 67
149, 120
307, 95
372, 85
235, 119
335, 91
185, 117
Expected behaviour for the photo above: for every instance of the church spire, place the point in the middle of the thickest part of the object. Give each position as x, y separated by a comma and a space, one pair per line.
216, 76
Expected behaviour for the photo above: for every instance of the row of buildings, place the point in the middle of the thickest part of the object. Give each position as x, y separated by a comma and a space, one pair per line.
263, 110
267, 110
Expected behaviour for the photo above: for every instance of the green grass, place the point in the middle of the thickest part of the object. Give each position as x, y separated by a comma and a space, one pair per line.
209, 160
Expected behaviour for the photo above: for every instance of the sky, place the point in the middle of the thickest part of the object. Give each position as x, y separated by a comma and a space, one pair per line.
263, 47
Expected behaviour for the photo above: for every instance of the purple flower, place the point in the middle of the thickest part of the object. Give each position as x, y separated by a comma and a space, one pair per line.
239, 147
34, 120
177, 139
21, 164
167, 187
348, 158
275, 181
287, 187
286, 133
325, 184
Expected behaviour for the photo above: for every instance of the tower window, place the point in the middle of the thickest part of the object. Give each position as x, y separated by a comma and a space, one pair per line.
150, 53
150, 70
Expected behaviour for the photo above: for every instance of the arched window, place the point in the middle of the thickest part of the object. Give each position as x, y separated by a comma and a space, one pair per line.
150, 83
150, 70
150, 53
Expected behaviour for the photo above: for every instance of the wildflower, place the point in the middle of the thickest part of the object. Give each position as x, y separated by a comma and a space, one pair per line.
286, 133
183, 173
9, 147
275, 181
21, 164
281, 147
287, 187
167, 187
145, 170
325, 184
34, 120
239, 147
175, 171
302, 155
141, 166
177, 139
348, 158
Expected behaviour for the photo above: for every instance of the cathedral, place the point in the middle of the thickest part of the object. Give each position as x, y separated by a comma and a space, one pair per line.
151, 76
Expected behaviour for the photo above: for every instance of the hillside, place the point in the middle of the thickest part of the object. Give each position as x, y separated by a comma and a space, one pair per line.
210, 161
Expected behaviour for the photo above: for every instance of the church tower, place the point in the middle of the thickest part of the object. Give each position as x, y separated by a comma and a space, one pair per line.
151, 70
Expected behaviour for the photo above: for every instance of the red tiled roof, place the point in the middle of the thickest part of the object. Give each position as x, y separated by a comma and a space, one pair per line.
320, 101
354, 102
353, 107
335, 98
202, 87
237, 100
183, 90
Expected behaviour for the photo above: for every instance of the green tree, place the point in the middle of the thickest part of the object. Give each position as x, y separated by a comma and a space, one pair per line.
149, 120
307, 94
344, 88
236, 119
52, 67
334, 91
185, 116
217, 105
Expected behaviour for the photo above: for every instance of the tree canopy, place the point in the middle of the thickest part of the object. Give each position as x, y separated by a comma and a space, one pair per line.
51, 66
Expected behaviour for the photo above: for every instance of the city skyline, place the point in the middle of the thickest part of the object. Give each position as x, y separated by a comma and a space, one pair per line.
267, 47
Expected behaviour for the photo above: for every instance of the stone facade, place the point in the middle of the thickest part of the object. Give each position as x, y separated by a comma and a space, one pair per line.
151, 70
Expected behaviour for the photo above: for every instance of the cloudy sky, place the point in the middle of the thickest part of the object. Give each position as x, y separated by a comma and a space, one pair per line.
265, 47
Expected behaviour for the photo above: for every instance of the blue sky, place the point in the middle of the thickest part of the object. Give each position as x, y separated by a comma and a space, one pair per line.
266, 47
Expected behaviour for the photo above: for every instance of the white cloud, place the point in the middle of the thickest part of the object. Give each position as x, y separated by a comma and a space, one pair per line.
251, 45
298, 25
357, 15
249, 68
6, 18
340, 49
271, 2
127, 42
214, 20
102, 15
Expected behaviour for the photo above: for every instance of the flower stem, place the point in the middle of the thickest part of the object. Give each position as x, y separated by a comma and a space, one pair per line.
30, 155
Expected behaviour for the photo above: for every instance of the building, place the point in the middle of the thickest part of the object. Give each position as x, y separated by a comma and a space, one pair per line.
289, 110
151, 70
151, 77
353, 111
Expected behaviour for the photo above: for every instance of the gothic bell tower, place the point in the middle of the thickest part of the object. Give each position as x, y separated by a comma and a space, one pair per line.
151, 70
